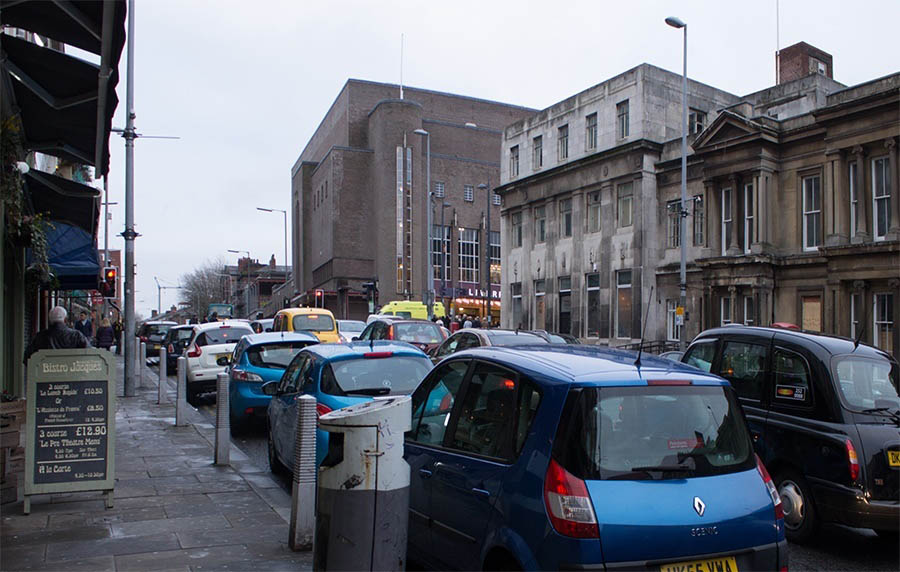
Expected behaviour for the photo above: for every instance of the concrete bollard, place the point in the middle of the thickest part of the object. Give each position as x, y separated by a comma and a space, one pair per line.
162, 397
223, 422
181, 393
303, 491
142, 361
137, 359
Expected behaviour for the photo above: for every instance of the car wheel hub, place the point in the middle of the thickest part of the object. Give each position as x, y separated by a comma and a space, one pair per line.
793, 504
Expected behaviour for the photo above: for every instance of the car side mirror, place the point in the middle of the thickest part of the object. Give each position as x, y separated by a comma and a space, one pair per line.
354, 339
270, 388
268, 329
224, 360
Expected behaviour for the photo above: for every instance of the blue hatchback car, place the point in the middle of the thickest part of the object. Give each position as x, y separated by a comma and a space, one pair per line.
337, 375
574, 458
256, 359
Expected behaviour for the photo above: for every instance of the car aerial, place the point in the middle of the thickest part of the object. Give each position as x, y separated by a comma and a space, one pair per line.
208, 353
478, 337
555, 337
177, 338
262, 325
423, 334
349, 329
319, 321
256, 359
337, 375
152, 333
824, 415
574, 458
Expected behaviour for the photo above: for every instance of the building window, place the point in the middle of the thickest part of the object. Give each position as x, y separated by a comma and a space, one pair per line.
726, 220
469, 193
562, 143
496, 200
699, 221
593, 210
624, 203
540, 224
812, 213
748, 217
749, 310
537, 152
590, 132
517, 229
696, 121
811, 313
513, 161
725, 310
495, 256
592, 282
439, 189
673, 330
855, 307
565, 304
884, 322
623, 304
440, 251
673, 224
516, 291
399, 206
622, 119
854, 198
540, 306
468, 255
881, 197
565, 217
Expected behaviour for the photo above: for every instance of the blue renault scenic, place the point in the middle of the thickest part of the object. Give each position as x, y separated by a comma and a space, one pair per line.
574, 458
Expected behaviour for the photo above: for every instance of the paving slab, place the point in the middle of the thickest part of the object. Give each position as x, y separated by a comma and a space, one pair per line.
185, 559
62, 551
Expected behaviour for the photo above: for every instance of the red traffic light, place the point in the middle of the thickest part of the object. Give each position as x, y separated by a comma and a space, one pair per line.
108, 285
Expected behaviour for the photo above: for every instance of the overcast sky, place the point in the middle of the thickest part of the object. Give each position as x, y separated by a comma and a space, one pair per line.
245, 84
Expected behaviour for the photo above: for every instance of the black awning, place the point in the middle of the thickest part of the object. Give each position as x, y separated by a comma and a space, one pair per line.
56, 96
64, 200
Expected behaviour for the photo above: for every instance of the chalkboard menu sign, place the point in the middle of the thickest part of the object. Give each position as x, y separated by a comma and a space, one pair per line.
70, 422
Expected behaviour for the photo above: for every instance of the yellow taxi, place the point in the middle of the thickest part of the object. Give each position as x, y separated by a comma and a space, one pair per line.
317, 321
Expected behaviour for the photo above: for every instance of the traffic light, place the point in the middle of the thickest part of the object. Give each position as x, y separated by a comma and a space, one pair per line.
371, 289
108, 285
320, 298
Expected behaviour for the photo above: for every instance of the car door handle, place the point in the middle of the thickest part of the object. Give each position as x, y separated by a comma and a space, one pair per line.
425, 473
481, 493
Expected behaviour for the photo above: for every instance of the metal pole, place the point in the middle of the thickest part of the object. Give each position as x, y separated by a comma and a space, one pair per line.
443, 255
181, 394
223, 422
105, 235
487, 250
286, 273
162, 390
430, 219
683, 213
142, 360
129, 233
303, 490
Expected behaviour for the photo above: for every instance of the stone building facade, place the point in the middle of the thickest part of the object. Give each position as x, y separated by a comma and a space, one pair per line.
359, 197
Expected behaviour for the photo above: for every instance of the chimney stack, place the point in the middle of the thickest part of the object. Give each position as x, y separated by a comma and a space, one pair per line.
800, 60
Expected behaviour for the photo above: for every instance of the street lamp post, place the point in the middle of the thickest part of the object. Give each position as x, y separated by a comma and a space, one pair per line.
444, 253
284, 212
247, 284
428, 291
487, 250
678, 23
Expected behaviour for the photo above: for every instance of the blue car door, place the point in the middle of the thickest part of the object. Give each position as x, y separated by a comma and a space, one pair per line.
285, 404
432, 406
479, 445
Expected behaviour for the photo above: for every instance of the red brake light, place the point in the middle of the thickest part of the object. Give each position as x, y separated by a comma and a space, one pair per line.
171, 349
322, 409
853, 461
568, 504
390, 334
143, 338
669, 382
377, 355
770, 486
195, 351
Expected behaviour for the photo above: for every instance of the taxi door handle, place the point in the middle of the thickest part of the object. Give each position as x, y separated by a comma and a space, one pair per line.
481, 492
425, 473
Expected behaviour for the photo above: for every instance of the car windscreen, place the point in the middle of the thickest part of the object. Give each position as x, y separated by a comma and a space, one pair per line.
275, 355
653, 432
867, 383
221, 310
395, 375
158, 330
510, 339
351, 325
225, 335
313, 323
418, 332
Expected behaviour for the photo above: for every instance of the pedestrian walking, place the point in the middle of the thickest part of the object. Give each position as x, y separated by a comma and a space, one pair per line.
84, 325
106, 335
468, 322
57, 335
476, 323
118, 328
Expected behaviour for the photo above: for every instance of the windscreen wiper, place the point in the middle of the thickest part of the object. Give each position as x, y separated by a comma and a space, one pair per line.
662, 469
892, 413
369, 391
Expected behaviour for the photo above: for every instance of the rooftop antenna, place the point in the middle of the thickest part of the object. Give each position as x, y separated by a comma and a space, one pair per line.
777, 42
637, 362
401, 66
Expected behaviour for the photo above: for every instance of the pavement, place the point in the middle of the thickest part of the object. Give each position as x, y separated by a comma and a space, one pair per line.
173, 510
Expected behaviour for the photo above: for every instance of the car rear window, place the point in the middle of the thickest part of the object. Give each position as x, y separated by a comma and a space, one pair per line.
181, 334
275, 355
424, 333
313, 323
653, 432
867, 383
395, 375
351, 325
225, 335
515, 339
157, 329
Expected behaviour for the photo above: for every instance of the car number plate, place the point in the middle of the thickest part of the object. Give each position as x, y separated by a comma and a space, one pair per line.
894, 458
727, 564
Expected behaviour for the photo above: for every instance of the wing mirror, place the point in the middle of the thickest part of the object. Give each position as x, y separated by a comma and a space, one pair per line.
270, 388
224, 360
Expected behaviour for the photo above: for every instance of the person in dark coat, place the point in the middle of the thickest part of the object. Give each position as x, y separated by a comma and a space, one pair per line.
118, 327
85, 326
57, 335
106, 336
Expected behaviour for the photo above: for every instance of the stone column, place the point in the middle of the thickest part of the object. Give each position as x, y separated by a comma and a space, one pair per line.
734, 249
840, 213
864, 211
757, 212
894, 227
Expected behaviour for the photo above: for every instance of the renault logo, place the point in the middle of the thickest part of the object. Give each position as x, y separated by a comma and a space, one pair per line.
699, 506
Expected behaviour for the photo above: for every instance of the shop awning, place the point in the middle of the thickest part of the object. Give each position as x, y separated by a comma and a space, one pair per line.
78, 24
64, 200
73, 257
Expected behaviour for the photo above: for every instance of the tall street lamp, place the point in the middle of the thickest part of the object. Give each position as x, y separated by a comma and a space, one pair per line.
487, 250
428, 291
286, 265
677, 23
247, 284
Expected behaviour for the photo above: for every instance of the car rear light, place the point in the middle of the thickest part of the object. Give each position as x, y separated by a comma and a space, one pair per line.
144, 338
377, 355
322, 409
568, 504
770, 486
195, 351
669, 382
171, 349
242, 375
390, 334
852, 460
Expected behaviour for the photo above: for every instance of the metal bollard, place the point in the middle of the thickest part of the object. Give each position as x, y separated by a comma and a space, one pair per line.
181, 393
162, 397
223, 422
142, 361
137, 357
303, 491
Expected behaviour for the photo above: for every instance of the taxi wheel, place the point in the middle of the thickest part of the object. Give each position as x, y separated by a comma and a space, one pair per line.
800, 518
274, 464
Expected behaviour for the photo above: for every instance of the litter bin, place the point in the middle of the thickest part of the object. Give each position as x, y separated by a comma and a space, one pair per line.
363, 494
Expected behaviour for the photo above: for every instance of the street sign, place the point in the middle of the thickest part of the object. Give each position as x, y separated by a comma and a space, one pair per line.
70, 427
